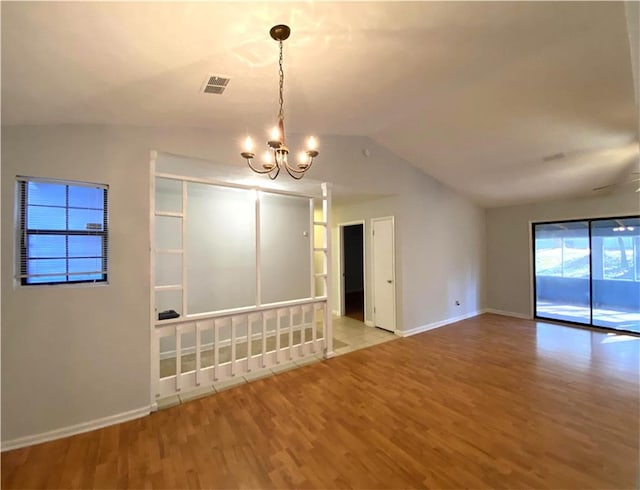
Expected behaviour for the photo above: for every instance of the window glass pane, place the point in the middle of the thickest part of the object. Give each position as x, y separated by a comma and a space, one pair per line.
85, 219
168, 195
169, 300
562, 271
47, 266
86, 197
168, 232
284, 243
85, 246
84, 265
46, 279
616, 282
45, 218
47, 194
168, 269
221, 256
47, 246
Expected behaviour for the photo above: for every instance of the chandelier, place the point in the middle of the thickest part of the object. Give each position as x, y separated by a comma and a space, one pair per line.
277, 156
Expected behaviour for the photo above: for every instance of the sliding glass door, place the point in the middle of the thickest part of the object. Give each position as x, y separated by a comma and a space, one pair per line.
588, 272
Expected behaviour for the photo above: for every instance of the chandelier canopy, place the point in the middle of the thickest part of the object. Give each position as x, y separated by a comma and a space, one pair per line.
277, 156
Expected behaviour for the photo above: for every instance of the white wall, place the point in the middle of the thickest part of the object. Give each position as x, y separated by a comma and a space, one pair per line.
439, 248
509, 274
74, 354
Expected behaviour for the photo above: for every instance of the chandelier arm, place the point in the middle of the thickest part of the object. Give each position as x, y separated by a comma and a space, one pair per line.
290, 171
276, 174
297, 171
257, 170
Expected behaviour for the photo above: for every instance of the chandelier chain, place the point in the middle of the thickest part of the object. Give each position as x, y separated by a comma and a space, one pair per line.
281, 112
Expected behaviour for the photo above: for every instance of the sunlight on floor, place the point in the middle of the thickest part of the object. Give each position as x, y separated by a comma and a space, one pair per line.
625, 320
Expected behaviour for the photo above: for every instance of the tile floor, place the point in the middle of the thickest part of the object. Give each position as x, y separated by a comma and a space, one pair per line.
356, 335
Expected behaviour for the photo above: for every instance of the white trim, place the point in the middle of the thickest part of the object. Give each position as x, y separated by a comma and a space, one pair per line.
154, 370
508, 313
240, 311
441, 323
235, 185
328, 319
183, 240
335, 313
76, 429
369, 323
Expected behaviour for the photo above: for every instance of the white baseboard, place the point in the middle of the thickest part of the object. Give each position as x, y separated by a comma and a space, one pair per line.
369, 323
507, 313
75, 429
335, 313
441, 323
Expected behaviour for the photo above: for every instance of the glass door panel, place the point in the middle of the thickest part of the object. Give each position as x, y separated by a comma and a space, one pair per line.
616, 273
562, 270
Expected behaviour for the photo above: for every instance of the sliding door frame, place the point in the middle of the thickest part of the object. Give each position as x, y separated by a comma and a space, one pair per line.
532, 249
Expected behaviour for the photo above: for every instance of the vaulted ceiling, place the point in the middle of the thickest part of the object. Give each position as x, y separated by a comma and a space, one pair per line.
476, 94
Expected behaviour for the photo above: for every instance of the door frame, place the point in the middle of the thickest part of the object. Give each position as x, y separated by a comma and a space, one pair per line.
393, 272
340, 241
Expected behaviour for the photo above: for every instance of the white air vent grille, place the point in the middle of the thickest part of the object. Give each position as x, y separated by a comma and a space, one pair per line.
215, 84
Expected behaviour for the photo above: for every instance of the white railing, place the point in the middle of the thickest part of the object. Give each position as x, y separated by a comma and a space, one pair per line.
192, 353
200, 349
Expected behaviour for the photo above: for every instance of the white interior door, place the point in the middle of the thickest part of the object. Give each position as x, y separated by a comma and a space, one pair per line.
384, 281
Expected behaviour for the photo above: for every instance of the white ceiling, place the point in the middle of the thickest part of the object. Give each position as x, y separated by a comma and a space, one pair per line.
476, 94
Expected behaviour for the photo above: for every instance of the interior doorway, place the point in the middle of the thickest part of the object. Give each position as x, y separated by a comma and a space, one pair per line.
352, 270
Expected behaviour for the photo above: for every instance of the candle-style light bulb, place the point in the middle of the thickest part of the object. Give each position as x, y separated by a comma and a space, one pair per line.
302, 157
312, 144
266, 157
275, 134
248, 144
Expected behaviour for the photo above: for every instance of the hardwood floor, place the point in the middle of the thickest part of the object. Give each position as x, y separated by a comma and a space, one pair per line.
488, 402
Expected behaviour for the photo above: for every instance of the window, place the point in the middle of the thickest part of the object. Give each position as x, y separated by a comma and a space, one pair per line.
63, 232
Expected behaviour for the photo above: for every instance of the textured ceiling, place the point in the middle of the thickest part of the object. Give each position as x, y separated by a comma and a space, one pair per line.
476, 94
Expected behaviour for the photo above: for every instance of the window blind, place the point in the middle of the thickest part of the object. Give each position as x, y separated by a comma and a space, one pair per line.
63, 231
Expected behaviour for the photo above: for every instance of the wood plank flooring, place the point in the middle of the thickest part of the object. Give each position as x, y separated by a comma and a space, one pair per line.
490, 402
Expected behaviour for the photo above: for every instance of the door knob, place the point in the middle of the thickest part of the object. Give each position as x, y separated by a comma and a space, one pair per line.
389, 281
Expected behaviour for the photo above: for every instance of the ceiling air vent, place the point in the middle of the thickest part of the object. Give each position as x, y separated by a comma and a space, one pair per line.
215, 84
555, 156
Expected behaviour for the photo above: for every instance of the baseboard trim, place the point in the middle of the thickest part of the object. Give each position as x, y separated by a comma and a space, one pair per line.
335, 312
75, 429
507, 313
434, 325
369, 323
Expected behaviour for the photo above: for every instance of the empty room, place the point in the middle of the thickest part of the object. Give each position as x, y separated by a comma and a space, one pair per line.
320, 245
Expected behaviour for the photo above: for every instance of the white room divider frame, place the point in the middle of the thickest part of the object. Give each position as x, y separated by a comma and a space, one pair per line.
303, 315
